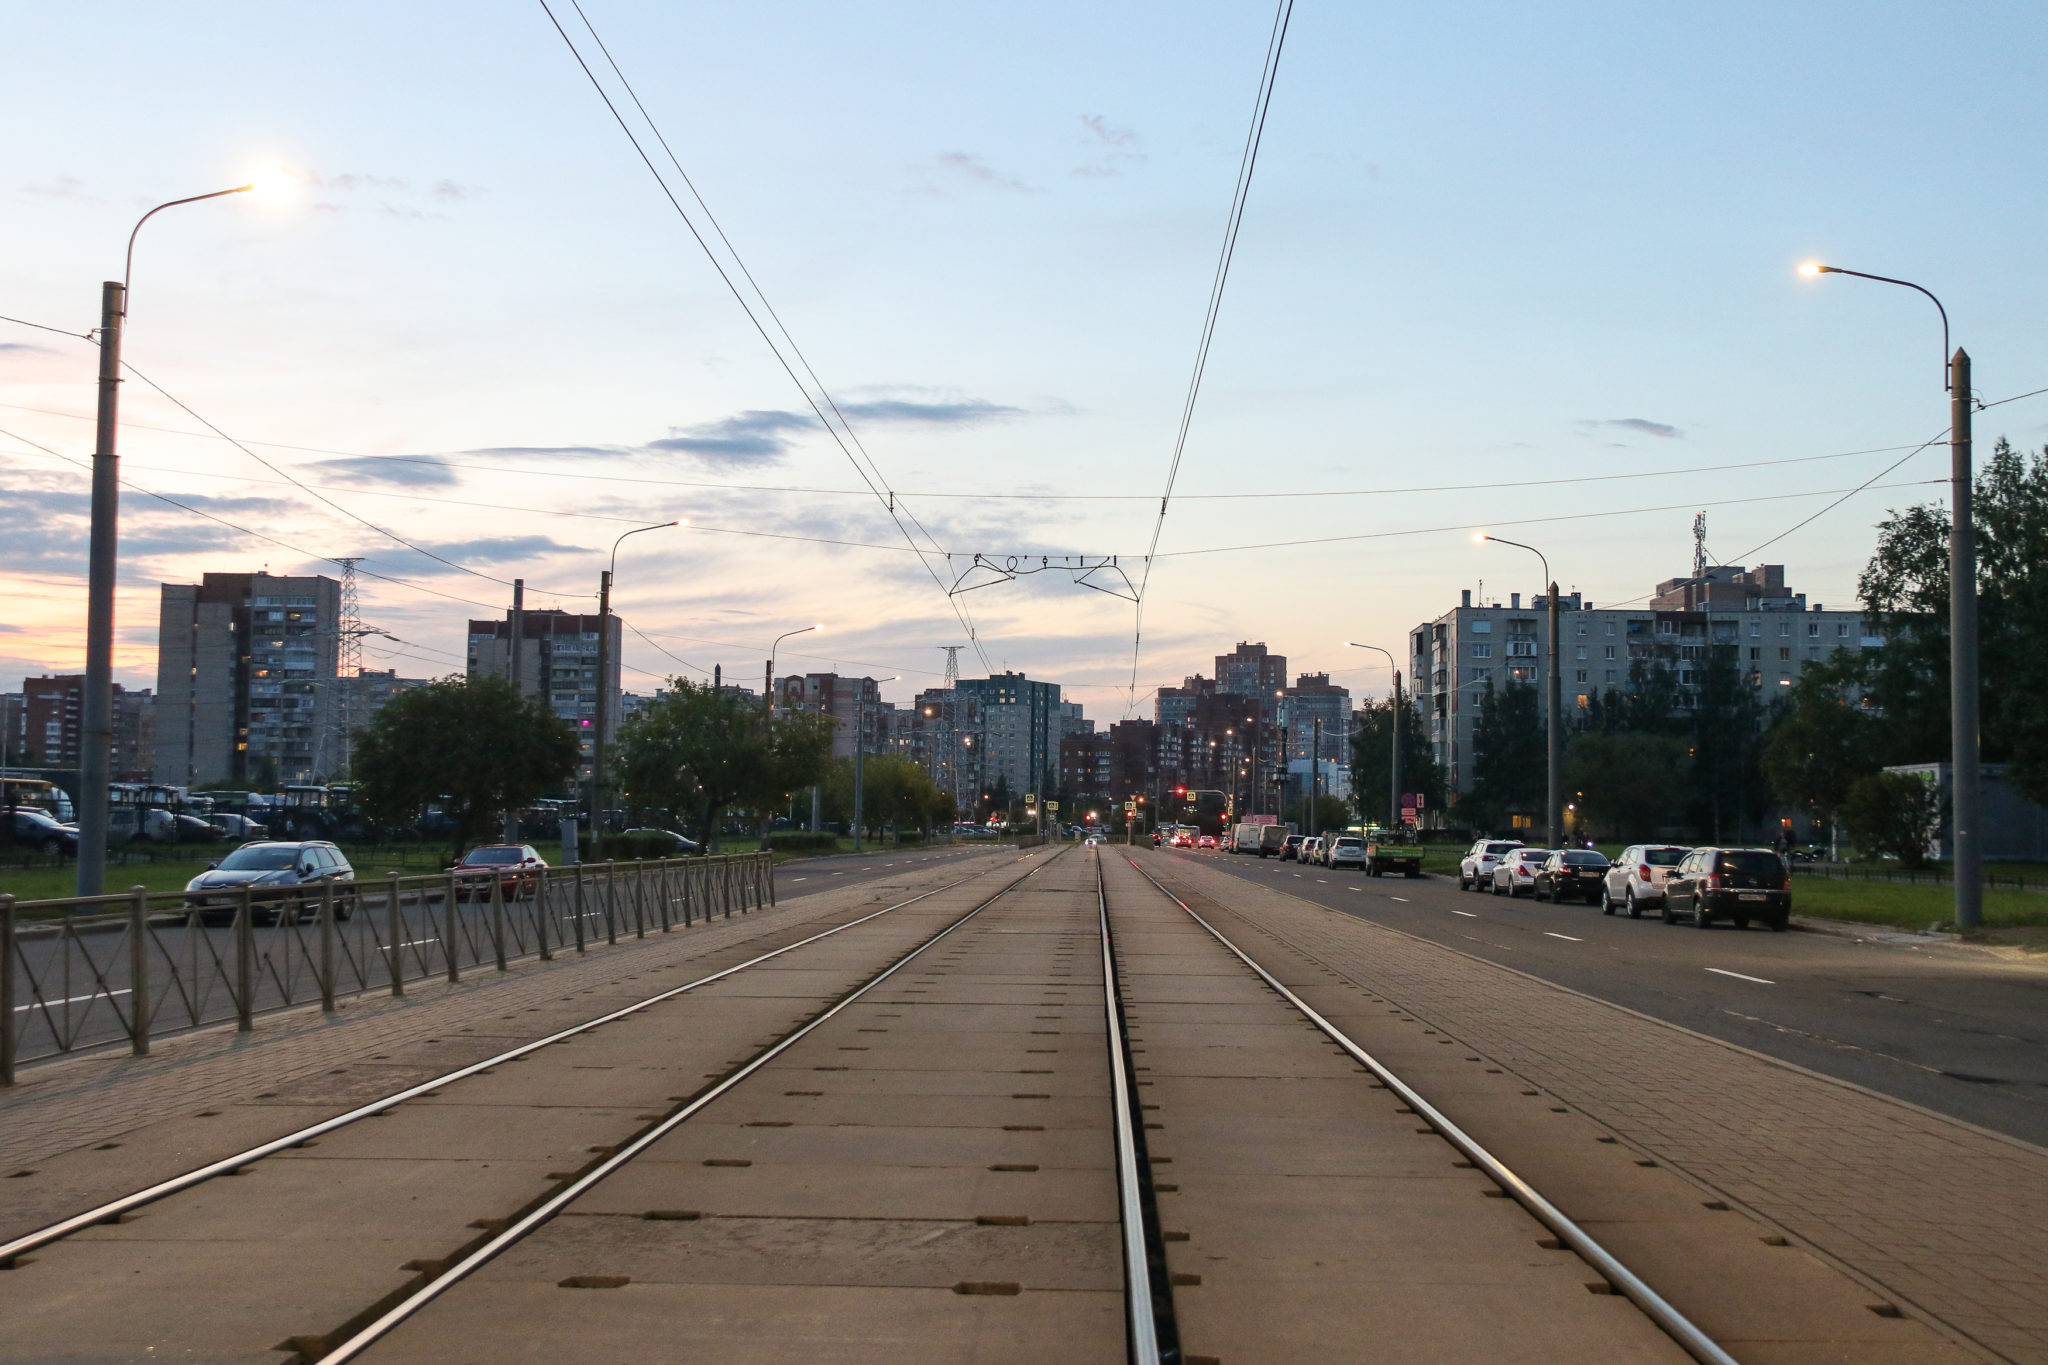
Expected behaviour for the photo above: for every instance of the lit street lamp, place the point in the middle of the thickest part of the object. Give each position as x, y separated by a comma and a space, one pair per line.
1394, 788
604, 646
768, 679
1553, 729
96, 756
1965, 789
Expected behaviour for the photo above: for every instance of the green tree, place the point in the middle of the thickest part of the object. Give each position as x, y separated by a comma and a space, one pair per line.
1905, 588
1624, 783
695, 753
1329, 813
1372, 760
474, 746
1825, 739
1893, 813
1509, 758
1727, 733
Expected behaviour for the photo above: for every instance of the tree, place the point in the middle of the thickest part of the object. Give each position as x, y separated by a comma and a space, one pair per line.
1825, 739
1509, 758
1905, 588
1624, 783
473, 745
1372, 761
1329, 813
1893, 813
1726, 781
701, 751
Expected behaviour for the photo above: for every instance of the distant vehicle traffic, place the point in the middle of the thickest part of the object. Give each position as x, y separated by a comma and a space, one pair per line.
1263, 839
1311, 850
1291, 850
1515, 873
1345, 850
685, 846
1205, 841
34, 828
1636, 879
1572, 874
515, 867
1475, 870
1737, 884
1388, 850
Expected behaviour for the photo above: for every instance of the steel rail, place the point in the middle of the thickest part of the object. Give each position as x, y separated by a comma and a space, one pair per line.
113, 1209
1141, 1310
1675, 1324
541, 1213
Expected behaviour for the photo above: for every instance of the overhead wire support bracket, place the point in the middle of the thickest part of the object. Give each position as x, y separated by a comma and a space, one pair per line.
994, 569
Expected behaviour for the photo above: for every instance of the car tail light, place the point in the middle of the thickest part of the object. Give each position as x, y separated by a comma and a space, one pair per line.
1711, 881
1644, 872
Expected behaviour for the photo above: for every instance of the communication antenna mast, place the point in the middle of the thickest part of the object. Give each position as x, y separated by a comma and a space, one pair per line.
1699, 546
952, 665
348, 666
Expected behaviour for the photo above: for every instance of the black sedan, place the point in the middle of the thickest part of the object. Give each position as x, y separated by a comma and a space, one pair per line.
38, 830
1572, 874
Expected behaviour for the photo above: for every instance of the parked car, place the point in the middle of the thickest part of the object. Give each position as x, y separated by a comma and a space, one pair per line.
1572, 874
38, 830
1312, 849
1345, 850
515, 867
1739, 884
686, 847
1475, 869
1516, 872
1636, 879
1291, 850
240, 827
283, 878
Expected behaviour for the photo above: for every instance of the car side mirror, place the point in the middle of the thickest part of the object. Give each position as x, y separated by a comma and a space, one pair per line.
213, 866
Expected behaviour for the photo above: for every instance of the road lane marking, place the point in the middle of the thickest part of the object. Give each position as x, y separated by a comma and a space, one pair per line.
799, 879
1566, 937
72, 999
1722, 971
1466, 913
1402, 899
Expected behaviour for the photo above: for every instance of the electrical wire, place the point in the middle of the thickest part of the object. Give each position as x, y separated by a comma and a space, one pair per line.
45, 327
1247, 163
882, 494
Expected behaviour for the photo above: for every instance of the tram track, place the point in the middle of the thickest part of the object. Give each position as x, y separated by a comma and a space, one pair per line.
1682, 1331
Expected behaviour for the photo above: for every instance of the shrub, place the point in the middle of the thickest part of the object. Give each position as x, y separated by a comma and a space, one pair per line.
627, 847
1895, 813
802, 841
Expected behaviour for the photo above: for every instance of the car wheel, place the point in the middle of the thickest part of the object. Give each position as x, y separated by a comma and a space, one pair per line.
1702, 918
1781, 922
1635, 911
1606, 900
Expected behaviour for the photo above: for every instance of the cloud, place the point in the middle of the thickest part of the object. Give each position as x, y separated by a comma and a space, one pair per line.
754, 436
974, 168
1641, 426
24, 348
455, 189
1117, 149
499, 549
959, 413
546, 452
371, 469
61, 187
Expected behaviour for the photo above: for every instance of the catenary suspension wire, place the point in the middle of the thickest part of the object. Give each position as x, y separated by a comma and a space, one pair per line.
881, 494
522, 1226
113, 1209
1680, 1328
1247, 163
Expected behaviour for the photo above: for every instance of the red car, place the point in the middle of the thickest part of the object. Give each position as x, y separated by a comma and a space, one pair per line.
1206, 841
516, 866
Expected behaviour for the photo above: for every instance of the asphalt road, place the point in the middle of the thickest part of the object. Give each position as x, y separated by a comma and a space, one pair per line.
1948, 1028
82, 997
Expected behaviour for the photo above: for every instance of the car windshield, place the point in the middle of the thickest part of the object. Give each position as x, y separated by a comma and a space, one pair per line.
1495, 850
490, 857
36, 817
1663, 857
1532, 856
261, 858
1346, 842
1585, 858
1753, 865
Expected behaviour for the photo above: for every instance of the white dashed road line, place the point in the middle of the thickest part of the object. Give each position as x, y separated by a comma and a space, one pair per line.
1739, 976
1402, 899
1566, 937
1466, 913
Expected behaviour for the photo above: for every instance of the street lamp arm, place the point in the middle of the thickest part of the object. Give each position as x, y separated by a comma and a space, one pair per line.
1501, 540
1906, 284
128, 266
656, 526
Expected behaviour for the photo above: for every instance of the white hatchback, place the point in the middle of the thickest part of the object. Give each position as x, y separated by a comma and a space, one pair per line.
1346, 850
1475, 871
1636, 878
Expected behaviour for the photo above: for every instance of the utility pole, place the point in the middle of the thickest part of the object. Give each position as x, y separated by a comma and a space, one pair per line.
1554, 732
1315, 776
95, 767
860, 719
1964, 789
1394, 793
604, 642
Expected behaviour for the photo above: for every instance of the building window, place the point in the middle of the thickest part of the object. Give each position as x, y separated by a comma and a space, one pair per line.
1610, 651
1482, 651
1610, 627
1582, 695
1480, 627
1785, 653
1756, 628
1582, 651
1784, 628
1582, 678
1841, 628
1755, 653
1610, 675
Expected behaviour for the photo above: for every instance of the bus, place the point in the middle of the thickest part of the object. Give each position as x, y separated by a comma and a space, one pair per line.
37, 793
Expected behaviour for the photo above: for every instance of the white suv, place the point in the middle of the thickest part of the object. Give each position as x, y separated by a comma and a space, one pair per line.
1475, 871
1312, 849
1636, 879
1346, 850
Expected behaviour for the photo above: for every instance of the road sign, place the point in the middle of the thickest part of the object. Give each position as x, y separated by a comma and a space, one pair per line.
1052, 805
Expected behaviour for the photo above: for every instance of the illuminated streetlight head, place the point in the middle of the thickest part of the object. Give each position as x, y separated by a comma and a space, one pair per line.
1480, 537
1811, 268
819, 626
272, 185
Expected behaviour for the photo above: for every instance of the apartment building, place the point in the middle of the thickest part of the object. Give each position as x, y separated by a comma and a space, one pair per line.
553, 655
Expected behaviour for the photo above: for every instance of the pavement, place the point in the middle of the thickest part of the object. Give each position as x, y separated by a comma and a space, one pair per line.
1951, 1027
1941, 1219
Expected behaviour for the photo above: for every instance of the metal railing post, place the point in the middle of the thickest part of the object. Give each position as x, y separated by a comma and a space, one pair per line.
498, 921
579, 908
639, 898
6, 990
540, 916
451, 942
327, 949
726, 890
138, 969
768, 872
394, 929
665, 879
245, 963
611, 917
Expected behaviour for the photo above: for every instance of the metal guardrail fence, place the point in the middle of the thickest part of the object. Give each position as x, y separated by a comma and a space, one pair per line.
1937, 874
97, 970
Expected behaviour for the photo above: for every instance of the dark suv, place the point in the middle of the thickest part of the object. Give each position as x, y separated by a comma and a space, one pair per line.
283, 879
1739, 884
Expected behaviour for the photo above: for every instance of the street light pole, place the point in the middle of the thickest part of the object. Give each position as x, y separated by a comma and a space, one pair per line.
1553, 733
1394, 719
96, 755
604, 650
1965, 780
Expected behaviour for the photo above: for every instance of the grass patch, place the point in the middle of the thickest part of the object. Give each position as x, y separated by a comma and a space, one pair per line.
169, 871
1899, 905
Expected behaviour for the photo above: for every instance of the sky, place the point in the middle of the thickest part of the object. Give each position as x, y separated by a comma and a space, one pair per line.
1527, 268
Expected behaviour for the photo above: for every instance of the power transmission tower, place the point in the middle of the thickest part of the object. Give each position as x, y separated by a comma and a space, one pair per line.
1699, 546
952, 665
348, 666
